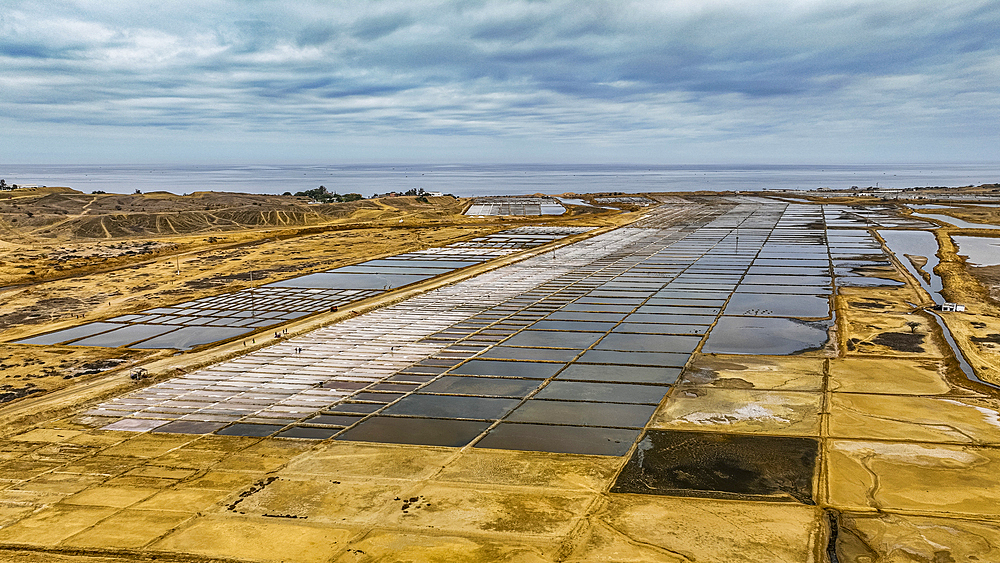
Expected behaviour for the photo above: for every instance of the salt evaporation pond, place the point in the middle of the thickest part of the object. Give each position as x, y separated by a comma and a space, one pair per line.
981, 251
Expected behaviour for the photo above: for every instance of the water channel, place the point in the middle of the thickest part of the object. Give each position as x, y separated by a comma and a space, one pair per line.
924, 243
955, 221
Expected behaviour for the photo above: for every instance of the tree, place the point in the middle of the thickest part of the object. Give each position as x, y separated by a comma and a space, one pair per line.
321, 195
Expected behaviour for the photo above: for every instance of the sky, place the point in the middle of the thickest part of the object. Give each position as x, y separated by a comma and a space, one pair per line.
506, 81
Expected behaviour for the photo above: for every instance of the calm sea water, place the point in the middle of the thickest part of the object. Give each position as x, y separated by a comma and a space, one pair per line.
472, 180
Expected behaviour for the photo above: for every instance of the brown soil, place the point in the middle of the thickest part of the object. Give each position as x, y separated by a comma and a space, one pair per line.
29, 370
900, 341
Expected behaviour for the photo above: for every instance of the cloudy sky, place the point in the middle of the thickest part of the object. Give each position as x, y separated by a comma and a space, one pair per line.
584, 81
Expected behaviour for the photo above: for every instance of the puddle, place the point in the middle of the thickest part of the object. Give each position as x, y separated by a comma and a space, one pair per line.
767, 336
421, 431
717, 465
560, 439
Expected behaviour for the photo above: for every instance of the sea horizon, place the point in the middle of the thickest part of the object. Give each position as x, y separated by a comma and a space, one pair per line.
468, 180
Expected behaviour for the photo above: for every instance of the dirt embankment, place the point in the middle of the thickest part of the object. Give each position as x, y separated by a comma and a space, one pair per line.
973, 328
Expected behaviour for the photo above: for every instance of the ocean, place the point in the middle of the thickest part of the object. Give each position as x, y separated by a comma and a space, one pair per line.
475, 180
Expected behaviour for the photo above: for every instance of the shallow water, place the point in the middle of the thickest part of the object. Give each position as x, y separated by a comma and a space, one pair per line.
528, 370
767, 335
484, 386
540, 354
776, 305
452, 406
620, 374
959, 356
191, 337
70, 333
919, 243
125, 335
423, 431
602, 392
957, 222
678, 463
582, 413
980, 251
560, 439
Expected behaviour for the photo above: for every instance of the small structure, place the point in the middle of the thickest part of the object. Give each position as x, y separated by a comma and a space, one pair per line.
952, 308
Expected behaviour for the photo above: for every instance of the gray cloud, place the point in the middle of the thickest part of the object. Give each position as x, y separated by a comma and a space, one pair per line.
634, 74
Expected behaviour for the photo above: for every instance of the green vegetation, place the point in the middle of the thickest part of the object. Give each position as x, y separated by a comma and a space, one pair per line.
321, 195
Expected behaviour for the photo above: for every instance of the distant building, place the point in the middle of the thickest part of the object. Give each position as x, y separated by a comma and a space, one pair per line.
953, 308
